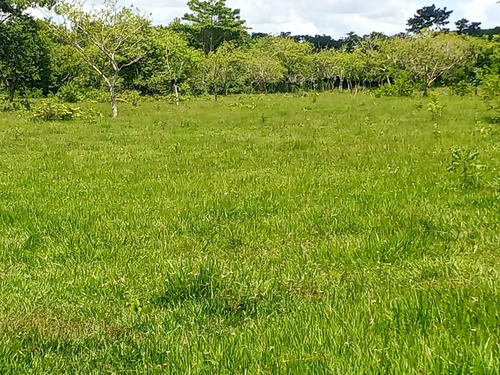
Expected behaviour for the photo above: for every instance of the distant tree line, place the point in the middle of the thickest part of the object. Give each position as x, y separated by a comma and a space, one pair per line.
210, 51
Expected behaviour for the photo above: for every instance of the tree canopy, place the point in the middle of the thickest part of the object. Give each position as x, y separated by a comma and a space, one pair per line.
429, 17
212, 23
108, 38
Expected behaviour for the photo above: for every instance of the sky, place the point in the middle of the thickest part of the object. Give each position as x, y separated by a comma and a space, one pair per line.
330, 17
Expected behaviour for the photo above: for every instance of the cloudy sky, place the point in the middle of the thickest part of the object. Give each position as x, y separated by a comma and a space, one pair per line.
331, 17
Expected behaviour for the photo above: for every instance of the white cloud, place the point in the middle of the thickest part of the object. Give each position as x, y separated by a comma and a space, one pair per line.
332, 17
485, 11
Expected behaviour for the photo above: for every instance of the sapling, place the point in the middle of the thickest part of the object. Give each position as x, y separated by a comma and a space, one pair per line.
434, 106
463, 162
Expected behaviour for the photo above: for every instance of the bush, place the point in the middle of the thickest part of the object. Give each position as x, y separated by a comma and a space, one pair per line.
462, 88
7, 106
464, 163
73, 92
491, 90
402, 86
70, 93
55, 112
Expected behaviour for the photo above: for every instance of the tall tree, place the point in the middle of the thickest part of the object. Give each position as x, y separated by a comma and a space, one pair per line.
169, 63
12, 8
429, 17
262, 64
429, 58
465, 26
108, 38
212, 23
23, 56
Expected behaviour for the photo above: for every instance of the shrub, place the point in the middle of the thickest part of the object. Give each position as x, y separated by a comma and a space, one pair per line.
70, 93
399, 88
7, 106
461, 88
74, 92
51, 111
491, 90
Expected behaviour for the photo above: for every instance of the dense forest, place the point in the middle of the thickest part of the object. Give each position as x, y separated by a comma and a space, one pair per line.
110, 50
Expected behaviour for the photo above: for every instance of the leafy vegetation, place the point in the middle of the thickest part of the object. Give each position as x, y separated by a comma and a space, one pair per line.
257, 234
210, 52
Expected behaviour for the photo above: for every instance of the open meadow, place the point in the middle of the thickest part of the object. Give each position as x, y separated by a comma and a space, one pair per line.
274, 234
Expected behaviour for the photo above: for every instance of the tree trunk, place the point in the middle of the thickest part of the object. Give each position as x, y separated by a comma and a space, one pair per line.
176, 88
11, 94
114, 106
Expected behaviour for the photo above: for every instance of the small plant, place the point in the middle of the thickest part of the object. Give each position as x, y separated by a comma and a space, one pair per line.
434, 106
437, 131
464, 163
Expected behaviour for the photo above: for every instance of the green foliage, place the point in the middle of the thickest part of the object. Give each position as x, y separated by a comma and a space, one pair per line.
462, 88
10, 9
264, 68
109, 38
212, 23
463, 162
23, 55
53, 111
429, 58
7, 105
434, 106
75, 92
429, 17
402, 86
169, 64
71, 93
491, 93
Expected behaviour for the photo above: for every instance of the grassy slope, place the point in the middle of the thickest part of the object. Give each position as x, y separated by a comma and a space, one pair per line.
283, 236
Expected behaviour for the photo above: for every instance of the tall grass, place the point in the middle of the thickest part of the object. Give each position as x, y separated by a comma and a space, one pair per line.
255, 235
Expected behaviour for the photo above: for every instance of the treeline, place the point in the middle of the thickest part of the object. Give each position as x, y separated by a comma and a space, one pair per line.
211, 52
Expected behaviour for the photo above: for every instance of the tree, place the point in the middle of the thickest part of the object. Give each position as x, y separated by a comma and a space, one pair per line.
108, 38
297, 60
169, 63
429, 18
429, 58
23, 56
465, 26
350, 41
16, 8
262, 64
212, 23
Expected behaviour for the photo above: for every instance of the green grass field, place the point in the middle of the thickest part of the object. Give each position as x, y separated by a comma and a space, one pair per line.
255, 235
